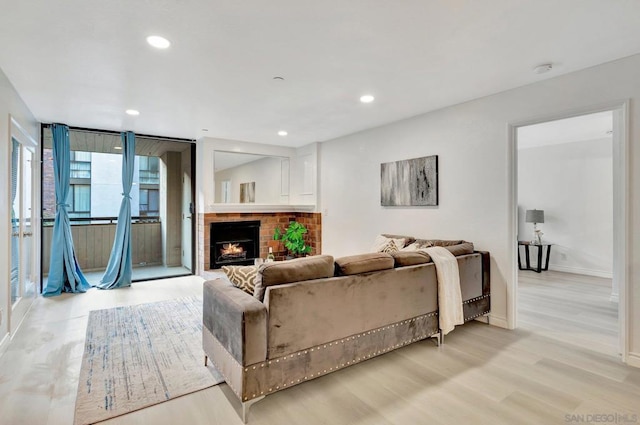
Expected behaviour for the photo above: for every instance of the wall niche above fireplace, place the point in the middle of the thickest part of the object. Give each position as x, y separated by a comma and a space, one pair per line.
234, 243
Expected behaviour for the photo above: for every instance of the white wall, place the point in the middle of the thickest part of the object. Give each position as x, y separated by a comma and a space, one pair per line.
573, 184
10, 104
106, 185
304, 175
264, 172
472, 141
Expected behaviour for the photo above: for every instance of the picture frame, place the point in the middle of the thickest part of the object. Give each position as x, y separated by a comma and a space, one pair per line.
248, 193
410, 182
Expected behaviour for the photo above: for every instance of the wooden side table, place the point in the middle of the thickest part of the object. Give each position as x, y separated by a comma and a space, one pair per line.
540, 247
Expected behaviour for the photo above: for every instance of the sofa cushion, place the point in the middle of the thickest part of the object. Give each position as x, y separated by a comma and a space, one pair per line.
456, 247
460, 249
363, 263
385, 244
242, 277
296, 270
410, 258
426, 243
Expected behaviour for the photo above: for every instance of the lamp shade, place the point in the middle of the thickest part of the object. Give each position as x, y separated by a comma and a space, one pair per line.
534, 216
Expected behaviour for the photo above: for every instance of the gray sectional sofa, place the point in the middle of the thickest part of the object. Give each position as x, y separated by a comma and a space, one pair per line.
312, 316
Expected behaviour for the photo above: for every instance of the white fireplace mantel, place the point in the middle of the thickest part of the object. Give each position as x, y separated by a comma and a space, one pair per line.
259, 208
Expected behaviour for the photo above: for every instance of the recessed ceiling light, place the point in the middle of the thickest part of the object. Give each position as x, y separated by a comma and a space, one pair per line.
158, 42
278, 78
132, 112
541, 69
118, 148
282, 133
367, 98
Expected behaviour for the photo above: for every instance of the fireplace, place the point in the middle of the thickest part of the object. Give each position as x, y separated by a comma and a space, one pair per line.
234, 243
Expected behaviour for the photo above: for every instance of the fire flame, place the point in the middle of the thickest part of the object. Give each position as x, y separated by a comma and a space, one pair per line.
231, 248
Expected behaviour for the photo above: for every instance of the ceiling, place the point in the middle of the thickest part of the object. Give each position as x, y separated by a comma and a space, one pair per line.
576, 129
85, 62
91, 141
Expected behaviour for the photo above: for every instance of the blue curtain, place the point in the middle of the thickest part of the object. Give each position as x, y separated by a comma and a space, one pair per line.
64, 271
118, 273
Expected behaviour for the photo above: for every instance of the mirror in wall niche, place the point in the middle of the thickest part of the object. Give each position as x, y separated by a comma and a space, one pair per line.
250, 178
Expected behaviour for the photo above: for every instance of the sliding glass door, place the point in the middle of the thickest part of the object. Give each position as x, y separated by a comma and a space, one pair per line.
161, 203
23, 242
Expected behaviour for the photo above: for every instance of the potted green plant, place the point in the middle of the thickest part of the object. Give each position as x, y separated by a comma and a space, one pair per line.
293, 239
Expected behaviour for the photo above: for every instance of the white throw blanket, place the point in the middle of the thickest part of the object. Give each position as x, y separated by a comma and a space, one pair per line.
449, 295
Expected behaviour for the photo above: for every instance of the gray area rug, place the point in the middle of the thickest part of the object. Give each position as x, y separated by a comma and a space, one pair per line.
141, 355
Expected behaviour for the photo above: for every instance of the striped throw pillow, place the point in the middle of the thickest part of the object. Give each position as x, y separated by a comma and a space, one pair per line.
385, 244
390, 247
243, 277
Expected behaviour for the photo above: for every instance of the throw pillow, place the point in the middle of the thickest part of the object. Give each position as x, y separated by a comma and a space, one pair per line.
411, 247
382, 243
391, 247
243, 277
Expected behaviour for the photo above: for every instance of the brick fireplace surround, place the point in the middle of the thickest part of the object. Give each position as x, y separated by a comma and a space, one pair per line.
268, 224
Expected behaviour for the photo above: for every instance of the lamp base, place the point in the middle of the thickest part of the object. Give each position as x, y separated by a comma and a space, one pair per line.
537, 238
537, 235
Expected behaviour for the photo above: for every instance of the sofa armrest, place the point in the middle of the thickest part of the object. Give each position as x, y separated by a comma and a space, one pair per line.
237, 320
486, 272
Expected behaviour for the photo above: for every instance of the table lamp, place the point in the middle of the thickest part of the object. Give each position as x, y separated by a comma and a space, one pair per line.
535, 217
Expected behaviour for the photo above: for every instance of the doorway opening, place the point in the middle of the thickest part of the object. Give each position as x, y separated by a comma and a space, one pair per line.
24, 207
569, 209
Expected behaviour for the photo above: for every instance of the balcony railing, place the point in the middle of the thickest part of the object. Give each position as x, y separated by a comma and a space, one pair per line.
93, 239
75, 221
149, 177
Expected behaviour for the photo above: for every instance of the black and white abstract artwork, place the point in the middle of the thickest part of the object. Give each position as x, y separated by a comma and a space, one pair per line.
247, 193
411, 182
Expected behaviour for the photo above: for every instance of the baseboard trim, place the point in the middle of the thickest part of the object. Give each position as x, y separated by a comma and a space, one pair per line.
579, 270
633, 359
500, 322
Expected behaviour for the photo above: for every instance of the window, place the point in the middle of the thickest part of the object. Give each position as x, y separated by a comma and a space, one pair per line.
149, 179
80, 165
149, 170
79, 200
149, 202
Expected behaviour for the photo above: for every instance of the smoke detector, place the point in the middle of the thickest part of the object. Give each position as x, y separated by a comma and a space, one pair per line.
543, 68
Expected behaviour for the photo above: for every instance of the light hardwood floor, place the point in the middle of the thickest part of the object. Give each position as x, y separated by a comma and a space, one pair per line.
482, 375
571, 308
